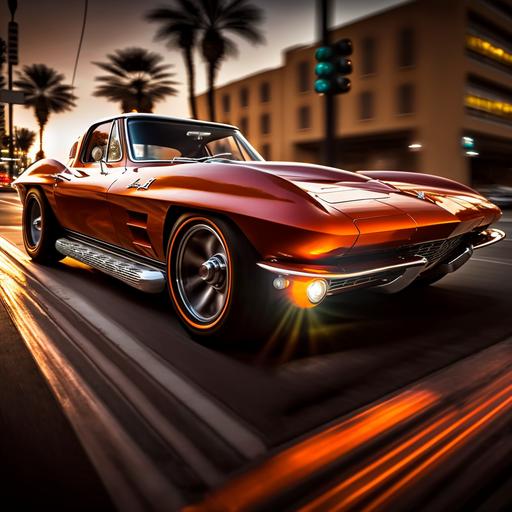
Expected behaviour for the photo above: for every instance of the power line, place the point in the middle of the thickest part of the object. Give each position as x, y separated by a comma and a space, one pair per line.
80, 43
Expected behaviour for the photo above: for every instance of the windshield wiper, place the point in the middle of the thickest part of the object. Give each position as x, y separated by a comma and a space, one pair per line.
185, 159
189, 159
218, 155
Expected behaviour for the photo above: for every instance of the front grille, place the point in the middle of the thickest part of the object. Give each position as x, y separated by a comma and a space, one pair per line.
353, 282
434, 251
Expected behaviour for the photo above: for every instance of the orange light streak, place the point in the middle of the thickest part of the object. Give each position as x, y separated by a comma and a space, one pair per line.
299, 461
323, 499
447, 447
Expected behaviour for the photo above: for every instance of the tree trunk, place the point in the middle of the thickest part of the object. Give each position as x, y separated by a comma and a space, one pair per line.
40, 153
191, 75
212, 71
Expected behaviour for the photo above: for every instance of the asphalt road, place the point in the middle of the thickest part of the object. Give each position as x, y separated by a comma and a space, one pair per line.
326, 362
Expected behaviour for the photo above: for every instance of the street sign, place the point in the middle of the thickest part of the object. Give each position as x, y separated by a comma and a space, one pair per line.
13, 97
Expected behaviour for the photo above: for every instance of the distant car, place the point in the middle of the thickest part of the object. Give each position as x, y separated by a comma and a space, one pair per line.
500, 195
163, 202
5, 181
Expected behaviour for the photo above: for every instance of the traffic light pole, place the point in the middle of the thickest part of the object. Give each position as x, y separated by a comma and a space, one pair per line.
11, 127
328, 149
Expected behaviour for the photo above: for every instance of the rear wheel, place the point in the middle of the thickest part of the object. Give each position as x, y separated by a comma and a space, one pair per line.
216, 288
40, 228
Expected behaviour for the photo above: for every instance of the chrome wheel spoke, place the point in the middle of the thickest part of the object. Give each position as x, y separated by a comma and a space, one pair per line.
204, 299
202, 272
35, 223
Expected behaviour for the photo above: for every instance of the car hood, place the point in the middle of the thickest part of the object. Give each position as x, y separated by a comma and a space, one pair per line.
330, 184
374, 206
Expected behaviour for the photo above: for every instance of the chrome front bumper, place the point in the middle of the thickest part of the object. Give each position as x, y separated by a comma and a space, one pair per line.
391, 274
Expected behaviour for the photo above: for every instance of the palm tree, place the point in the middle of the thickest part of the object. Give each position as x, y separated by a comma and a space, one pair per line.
136, 79
24, 140
221, 17
46, 93
179, 26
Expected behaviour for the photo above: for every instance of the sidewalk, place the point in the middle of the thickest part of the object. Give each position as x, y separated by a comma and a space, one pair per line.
43, 466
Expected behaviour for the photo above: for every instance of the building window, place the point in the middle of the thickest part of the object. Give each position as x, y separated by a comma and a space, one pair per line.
406, 48
265, 124
244, 125
226, 103
304, 117
368, 56
366, 105
244, 97
303, 76
265, 151
265, 92
405, 99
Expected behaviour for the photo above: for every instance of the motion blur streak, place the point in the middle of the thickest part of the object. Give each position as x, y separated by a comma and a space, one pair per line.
300, 461
335, 499
333, 494
489, 416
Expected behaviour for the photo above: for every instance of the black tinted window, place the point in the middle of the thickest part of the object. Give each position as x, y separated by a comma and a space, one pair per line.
406, 48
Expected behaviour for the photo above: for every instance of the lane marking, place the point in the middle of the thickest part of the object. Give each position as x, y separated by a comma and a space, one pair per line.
16, 205
220, 419
490, 260
112, 451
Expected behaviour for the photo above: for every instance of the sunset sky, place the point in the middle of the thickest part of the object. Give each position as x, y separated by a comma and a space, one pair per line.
50, 30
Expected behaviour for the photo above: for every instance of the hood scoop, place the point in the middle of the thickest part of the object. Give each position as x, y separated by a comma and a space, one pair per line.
346, 194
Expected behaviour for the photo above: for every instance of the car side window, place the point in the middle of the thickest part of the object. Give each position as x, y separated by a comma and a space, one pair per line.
114, 145
97, 138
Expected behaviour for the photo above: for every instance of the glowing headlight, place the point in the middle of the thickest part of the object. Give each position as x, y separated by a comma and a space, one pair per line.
280, 283
317, 290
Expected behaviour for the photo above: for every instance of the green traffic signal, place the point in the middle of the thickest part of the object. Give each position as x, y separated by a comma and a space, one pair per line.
324, 53
322, 86
333, 63
324, 69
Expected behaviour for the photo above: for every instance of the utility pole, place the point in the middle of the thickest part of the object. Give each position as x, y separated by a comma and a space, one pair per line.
3, 51
328, 150
12, 60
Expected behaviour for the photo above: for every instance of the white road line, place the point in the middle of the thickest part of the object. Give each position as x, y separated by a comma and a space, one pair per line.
16, 205
103, 437
214, 414
490, 260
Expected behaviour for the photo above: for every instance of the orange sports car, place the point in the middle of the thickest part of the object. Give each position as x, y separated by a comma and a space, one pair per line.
190, 206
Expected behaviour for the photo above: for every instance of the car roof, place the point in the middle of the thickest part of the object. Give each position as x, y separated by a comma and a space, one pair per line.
137, 115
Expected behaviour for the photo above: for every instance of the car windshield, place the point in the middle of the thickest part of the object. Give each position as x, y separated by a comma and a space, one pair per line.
160, 139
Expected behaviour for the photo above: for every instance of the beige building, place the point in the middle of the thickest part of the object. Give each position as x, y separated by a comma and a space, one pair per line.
431, 92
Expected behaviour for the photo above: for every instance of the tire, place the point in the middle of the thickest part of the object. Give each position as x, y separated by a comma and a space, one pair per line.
40, 229
216, 288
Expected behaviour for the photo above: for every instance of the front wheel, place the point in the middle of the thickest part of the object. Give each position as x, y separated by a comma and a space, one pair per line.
40, 229
216, 288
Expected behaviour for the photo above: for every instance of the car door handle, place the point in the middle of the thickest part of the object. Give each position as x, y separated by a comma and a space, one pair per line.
61, 177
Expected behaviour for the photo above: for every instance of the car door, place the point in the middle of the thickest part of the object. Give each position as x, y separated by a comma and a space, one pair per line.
81, 194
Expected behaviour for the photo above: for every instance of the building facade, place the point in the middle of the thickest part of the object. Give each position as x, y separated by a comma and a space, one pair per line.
431, 92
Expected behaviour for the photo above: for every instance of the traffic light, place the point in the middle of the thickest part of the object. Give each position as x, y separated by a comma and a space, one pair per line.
333, 64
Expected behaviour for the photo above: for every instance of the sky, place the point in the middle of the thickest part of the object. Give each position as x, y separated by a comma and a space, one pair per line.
49, 32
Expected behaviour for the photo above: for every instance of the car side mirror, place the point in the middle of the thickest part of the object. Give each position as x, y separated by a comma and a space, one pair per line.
98, 156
